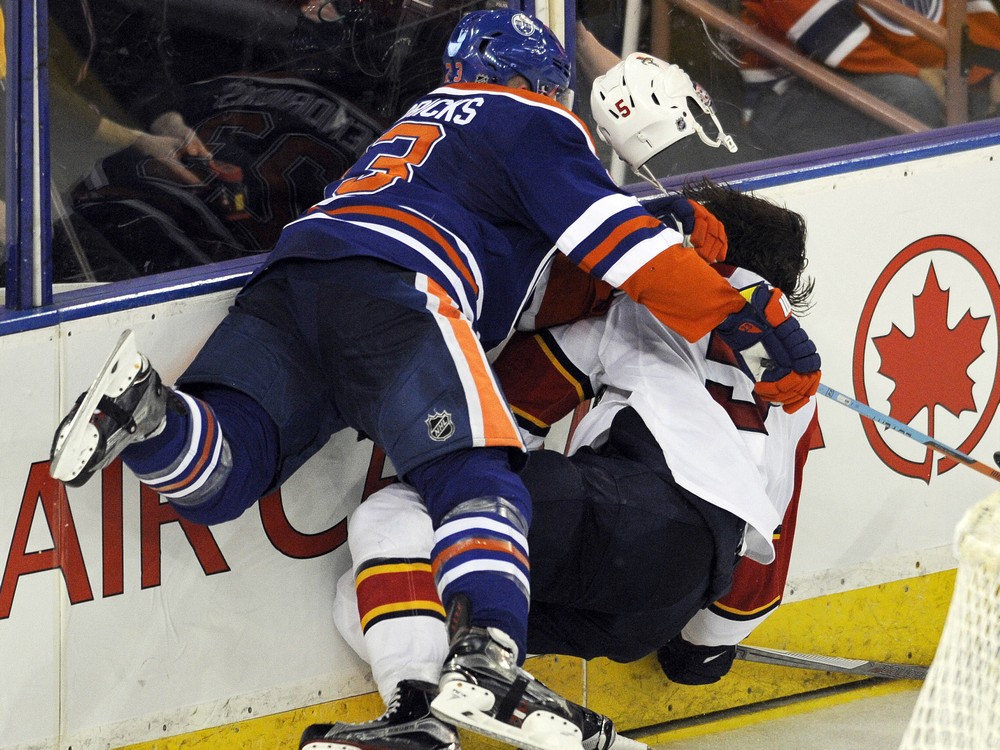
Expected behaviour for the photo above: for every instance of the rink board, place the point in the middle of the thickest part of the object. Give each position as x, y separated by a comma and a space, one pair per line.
119, 625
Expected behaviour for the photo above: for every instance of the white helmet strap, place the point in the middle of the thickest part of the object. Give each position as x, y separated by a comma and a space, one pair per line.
722, 139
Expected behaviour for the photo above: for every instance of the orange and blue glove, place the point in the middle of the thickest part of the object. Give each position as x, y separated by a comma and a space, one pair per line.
792, 375
701, 230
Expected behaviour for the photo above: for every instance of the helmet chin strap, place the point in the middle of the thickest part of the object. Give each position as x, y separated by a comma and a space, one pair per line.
722, 139
647, 174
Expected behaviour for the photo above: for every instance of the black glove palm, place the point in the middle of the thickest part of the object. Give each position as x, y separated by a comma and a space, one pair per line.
689, 664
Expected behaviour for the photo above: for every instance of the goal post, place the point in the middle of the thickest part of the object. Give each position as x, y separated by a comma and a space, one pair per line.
958, 707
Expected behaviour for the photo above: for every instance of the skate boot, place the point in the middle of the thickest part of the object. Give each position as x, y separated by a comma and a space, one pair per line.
483, 690
407, 724
125, 404
599, 732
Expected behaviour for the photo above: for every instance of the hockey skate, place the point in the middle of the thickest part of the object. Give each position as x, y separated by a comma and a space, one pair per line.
407, 724
483, 690
125, 404
599, 732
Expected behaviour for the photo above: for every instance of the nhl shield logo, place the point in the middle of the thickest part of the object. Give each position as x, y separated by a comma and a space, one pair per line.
440, 426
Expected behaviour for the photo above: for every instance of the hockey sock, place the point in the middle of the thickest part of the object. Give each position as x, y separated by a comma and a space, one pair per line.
153, 454
191, 462
480, 509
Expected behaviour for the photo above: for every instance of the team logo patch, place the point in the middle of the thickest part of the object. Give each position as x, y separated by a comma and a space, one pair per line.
523, 25
440, 426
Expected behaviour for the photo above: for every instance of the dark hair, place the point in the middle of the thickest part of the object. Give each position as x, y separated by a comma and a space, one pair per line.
765, 238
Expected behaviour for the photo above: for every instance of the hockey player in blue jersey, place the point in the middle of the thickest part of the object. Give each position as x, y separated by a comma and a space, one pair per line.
376, 310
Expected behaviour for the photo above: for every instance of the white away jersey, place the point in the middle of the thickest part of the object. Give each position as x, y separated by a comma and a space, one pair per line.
719, 440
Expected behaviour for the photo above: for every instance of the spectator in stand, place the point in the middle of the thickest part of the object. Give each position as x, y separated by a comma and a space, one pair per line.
787, 114
108, 63
111, 92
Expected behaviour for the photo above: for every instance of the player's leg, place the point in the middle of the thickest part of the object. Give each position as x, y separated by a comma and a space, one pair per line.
245, 414
411, 374
396, 604
388, 610
390, 614
622, 556
177, 444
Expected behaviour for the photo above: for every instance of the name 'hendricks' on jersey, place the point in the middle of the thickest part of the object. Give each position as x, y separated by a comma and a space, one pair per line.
459, 112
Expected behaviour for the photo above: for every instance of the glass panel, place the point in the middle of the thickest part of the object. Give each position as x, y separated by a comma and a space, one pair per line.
3, 140
892, 53
190, 131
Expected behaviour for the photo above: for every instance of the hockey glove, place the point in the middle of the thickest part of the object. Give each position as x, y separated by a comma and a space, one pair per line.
793, 370
700, 228
688, 664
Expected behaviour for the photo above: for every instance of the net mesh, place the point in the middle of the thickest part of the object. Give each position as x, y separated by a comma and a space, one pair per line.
958, 707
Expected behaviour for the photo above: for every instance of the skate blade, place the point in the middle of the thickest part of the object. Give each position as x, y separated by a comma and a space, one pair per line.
464, 705
626, 743
78, 441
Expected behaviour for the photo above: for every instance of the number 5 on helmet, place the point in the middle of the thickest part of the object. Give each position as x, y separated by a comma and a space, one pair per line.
643, 105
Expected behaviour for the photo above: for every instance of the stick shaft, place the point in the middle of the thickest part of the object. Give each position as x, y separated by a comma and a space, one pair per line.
884, 419
861, 667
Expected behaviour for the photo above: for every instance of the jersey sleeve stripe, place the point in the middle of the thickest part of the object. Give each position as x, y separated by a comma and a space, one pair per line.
613, 241
561, 364
600, 211
732, 613
639, 256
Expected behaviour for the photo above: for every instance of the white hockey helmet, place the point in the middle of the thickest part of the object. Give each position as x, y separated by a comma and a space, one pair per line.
643, 105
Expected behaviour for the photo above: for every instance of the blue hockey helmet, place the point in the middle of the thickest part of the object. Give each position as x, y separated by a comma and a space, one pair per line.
492, 46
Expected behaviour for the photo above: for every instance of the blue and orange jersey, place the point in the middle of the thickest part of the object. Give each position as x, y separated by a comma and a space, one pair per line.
476, 186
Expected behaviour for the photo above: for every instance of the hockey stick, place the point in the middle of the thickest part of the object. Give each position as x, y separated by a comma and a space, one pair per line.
860, 667
884, 419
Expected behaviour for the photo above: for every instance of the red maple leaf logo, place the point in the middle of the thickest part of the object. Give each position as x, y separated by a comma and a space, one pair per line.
930, 368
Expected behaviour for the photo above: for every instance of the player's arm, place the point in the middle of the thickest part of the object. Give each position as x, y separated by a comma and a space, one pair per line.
687, 295
611, 236
565, 293
541, 381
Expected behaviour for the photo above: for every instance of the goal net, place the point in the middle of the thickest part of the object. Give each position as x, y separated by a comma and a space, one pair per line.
958, 707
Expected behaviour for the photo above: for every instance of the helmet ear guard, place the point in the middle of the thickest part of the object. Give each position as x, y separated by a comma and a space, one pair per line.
644, 105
